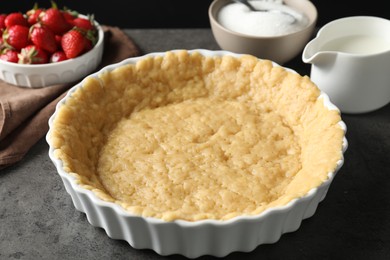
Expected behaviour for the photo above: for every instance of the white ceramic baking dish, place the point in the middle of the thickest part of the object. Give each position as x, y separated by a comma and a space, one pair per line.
198, 238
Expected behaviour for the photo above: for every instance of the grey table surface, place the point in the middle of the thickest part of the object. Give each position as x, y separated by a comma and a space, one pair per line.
39, 221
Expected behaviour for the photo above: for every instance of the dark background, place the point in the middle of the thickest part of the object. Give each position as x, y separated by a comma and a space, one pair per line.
183, 13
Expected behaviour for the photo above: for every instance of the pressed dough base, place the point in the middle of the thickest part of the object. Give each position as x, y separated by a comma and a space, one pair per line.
191, 137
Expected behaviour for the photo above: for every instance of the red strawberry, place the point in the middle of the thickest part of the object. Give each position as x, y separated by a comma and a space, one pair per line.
88, 45
55, 21
16, 36
58, 56
69, 15
58, 40
15, 18
73, 43
90, 39
9, 55
83, 23
33, 14
2, 21
33, 55
43, 38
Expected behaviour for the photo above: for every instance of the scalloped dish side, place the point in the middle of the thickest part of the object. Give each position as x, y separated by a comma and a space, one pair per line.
184, 136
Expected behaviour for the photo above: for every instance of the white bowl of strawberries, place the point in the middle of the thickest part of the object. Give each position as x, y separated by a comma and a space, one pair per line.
45, 47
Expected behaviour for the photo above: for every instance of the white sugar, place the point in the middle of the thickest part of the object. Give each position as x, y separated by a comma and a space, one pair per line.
237, 17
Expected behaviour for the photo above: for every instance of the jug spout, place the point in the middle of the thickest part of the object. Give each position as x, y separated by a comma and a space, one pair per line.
313, 54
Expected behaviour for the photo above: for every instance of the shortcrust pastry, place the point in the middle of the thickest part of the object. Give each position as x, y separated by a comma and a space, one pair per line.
192, 137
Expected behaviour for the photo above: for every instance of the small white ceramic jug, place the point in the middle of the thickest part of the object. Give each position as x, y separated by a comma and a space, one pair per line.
350, 60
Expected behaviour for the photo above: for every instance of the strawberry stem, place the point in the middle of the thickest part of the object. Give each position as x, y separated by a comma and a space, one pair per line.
54, 4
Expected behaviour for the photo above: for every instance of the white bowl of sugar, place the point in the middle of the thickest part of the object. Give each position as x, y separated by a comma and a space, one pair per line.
279, 35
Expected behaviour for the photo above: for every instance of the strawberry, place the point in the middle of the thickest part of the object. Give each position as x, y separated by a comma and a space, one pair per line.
9, 55
73, 43
83, 23
88, 45
15, 18
2, 21
58, 40
69, 15
16, 36
55, 20
43, 38
58, 56
33, 14
32, 54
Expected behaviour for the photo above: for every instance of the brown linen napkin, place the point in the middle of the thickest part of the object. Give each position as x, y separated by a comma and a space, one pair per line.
24, 112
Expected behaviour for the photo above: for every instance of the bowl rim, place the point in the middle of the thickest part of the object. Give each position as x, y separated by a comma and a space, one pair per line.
59, 64
185, 223
215, 21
